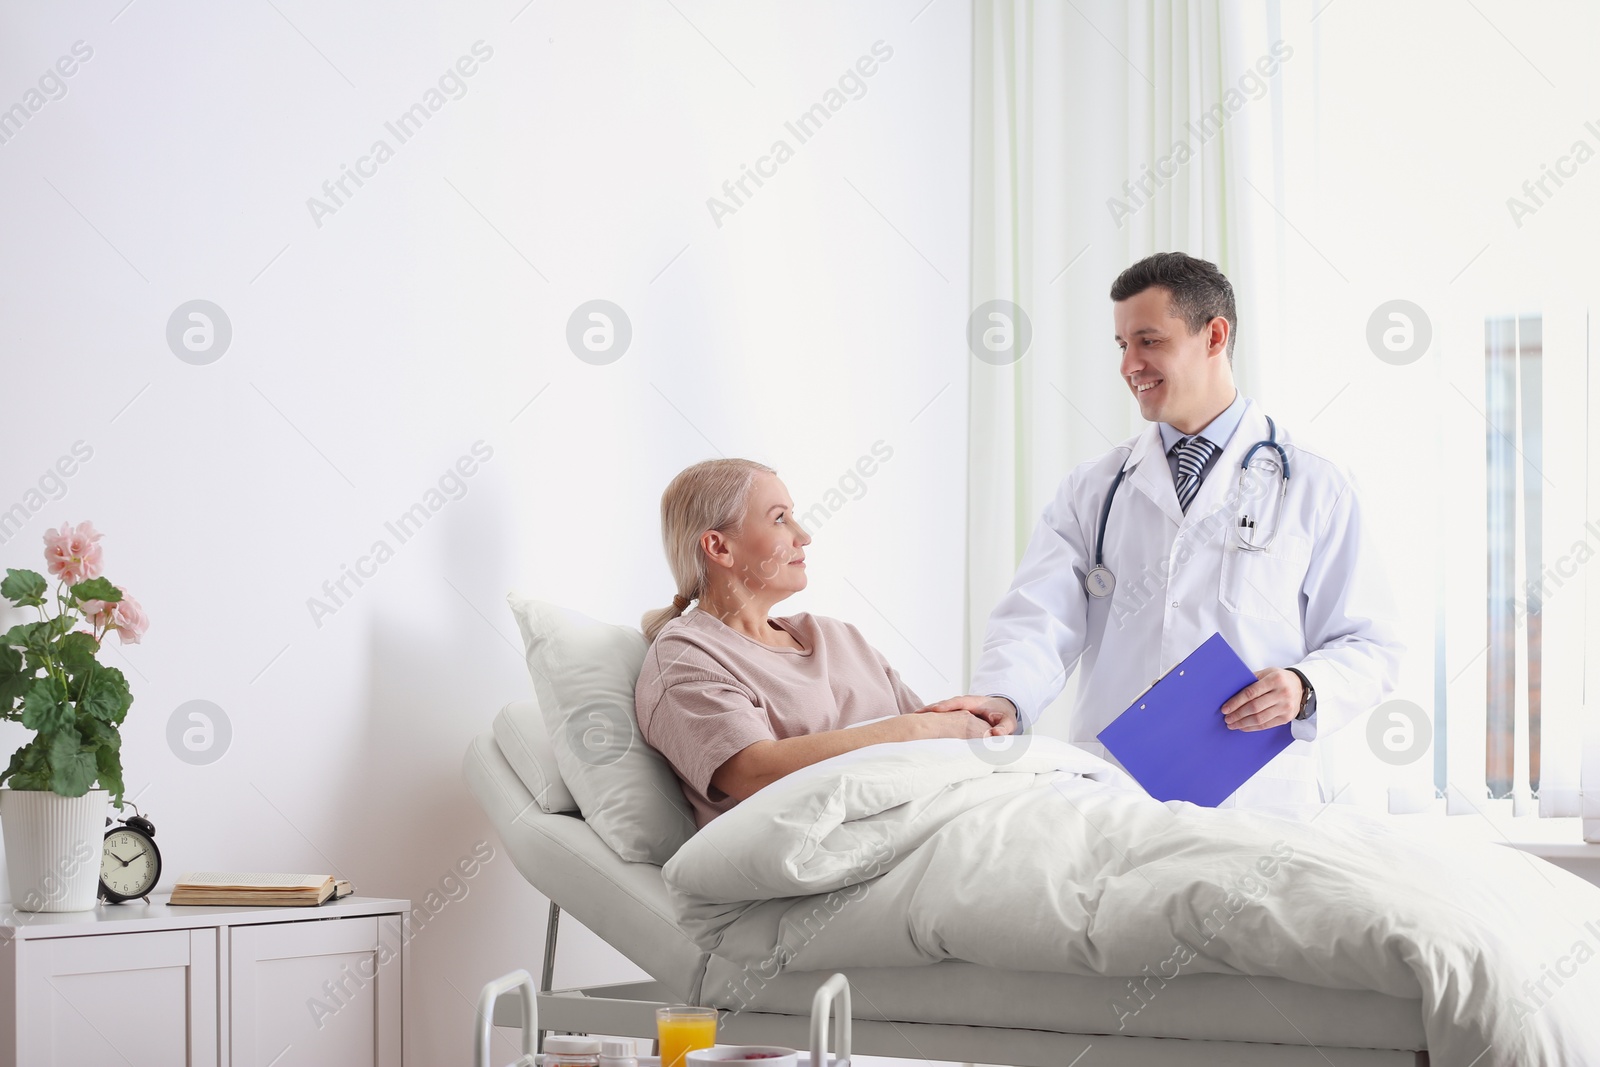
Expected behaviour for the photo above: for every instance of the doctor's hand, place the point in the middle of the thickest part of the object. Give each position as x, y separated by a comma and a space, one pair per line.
1271, 700
998, 712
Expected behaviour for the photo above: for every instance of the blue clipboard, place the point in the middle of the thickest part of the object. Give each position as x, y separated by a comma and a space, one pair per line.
1174, 742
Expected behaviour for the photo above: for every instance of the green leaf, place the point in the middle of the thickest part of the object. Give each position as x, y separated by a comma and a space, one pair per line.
108, 771
97, 734
72, 767
97, 589
14, 680
34, 636
29, 769
77, 651
35, 662
106, 743
26, 634
105, 695
25, 589
44, 707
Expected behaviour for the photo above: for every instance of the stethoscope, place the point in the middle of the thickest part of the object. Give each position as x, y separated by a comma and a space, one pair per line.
1100, 581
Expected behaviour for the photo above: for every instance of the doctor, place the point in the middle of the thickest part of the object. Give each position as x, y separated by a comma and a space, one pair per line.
1130, 585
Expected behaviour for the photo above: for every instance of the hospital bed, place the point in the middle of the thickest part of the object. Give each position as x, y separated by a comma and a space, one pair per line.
952, 1011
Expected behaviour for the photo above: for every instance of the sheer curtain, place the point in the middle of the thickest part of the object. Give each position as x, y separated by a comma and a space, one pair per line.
1103, 132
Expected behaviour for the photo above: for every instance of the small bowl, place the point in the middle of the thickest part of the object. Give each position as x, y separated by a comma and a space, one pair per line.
744, 1056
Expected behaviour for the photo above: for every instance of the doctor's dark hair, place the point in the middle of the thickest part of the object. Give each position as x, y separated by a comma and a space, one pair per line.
1199, 291
713, 495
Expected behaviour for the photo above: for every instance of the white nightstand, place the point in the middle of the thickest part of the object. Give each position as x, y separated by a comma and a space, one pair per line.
154, 984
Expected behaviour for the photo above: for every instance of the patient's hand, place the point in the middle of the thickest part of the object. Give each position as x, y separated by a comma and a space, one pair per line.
926, 723
998, 712
757, 765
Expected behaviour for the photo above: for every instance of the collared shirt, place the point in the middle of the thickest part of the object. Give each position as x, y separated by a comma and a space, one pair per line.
1218, 431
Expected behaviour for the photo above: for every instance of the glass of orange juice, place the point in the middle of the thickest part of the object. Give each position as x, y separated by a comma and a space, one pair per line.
681, 1030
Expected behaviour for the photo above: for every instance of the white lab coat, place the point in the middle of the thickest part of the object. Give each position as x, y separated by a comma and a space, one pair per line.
1317, 600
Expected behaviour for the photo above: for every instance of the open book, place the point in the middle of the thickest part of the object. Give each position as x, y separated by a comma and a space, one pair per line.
258, 890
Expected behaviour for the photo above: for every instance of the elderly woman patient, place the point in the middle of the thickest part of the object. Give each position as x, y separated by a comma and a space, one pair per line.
733, 698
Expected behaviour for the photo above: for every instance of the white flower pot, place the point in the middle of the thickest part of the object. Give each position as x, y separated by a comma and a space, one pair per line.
53, 848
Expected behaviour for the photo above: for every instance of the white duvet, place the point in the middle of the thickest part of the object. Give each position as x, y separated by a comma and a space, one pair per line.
1040, 857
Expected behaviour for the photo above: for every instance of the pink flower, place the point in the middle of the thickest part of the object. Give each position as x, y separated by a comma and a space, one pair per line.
73, 553
126, 617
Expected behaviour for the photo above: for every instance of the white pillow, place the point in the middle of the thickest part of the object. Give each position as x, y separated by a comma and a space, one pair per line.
520, 732
584, 673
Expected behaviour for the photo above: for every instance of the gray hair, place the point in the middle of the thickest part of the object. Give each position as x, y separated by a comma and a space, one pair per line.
712, 495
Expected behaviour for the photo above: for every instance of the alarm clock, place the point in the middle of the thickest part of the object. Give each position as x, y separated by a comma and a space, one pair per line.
130, 863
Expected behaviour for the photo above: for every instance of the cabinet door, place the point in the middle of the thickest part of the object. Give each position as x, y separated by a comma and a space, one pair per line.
322, 993
136, 999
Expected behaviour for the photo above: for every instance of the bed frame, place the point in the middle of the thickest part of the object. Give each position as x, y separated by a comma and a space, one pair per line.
626, 905
627, 1009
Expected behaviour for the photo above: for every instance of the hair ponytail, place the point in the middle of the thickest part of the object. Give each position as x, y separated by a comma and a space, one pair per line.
655, 620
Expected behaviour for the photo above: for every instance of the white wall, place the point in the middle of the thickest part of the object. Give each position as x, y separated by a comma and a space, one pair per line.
423, 315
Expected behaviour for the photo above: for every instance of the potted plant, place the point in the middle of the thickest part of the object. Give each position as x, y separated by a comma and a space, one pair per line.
51, 681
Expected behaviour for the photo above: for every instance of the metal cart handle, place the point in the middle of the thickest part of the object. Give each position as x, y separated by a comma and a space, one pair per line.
522, 982
835, 988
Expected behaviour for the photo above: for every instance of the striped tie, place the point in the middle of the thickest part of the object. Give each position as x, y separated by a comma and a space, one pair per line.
1192, 455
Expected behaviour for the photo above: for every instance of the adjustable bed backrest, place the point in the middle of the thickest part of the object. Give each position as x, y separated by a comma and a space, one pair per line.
624, 903
520, 731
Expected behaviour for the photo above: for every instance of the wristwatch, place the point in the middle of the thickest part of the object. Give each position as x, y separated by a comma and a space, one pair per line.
1308, 696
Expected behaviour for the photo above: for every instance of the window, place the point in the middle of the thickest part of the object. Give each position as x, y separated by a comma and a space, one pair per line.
1514, 439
